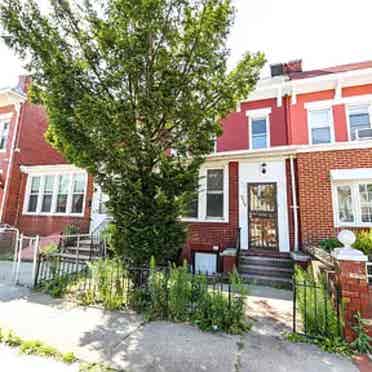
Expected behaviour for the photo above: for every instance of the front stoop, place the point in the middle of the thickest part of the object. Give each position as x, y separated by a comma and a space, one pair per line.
266, 270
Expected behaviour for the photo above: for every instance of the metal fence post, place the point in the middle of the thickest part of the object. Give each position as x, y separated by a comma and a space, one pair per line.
19, 259
35, 255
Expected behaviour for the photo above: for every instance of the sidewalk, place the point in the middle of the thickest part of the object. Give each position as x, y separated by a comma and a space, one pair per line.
126, 342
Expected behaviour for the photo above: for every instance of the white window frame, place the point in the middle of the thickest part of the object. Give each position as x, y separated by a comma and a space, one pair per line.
356, 203
56, 174
310, 126
348, 108
5, 119
202, 196
263, 114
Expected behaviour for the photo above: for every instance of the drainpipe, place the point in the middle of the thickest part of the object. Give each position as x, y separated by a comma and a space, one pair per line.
18, 108
294, 202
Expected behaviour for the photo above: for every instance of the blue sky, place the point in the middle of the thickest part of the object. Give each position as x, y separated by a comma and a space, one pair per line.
321, 32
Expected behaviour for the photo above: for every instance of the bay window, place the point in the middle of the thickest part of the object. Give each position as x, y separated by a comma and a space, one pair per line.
56, 194
353, 203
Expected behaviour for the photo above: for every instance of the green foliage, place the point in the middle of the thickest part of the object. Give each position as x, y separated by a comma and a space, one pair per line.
68, 231
107, 235
49, 249
364, 242
95, 367
316, 306
329, 244
34, 347
123, 82
362, 343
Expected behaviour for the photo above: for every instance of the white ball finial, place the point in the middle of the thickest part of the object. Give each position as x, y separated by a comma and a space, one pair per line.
347, 253
346, 238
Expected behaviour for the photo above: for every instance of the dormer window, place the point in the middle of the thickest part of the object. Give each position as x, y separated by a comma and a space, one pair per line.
359, 120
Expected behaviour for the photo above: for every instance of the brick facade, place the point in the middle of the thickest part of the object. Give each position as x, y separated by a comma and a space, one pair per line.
203, 236
314, 187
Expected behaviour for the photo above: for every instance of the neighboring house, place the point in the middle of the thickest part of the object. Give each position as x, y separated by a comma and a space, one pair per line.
40, 193
293, 166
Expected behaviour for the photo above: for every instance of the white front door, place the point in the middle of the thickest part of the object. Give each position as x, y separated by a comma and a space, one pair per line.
99, 212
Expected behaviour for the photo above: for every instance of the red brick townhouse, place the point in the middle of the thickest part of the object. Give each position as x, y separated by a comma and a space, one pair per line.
293, 166
40, 193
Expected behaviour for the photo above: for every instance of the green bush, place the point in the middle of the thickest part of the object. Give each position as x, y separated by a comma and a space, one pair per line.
362, 343
364, 242
329, 244
49, 249
316, 307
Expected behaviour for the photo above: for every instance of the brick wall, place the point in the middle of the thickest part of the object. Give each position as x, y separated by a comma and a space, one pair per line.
314, 186
204, 235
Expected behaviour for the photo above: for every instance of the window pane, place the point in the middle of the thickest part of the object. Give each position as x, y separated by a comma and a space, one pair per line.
47, 203
4, 135
215, 180
321, 135
259, 126
365, 192
193, 209
320, 118
61, 204
259, 142
77, 203
32, 204
79, 183
49, 184
358, 120
64, 184
35, 184
345, 204
215, 205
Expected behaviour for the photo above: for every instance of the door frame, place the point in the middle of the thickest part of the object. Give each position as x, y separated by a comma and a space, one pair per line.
275, 184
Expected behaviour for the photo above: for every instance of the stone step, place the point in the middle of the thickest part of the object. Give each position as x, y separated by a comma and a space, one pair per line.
266, 261
267, 281
270, 271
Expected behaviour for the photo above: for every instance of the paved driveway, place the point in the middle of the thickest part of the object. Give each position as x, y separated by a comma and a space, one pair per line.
25, 273
125, 341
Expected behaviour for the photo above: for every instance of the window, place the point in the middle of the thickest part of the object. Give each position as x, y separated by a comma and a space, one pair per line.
4, 132
193, 209
34, 194
320, 124
215, 193
56, 194
353, 203
259, 135
358, 119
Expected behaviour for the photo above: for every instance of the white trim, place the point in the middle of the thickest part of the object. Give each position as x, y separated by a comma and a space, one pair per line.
202, 195
50, 169
351, 174
257, 113
348, 108
311, 126
38, 212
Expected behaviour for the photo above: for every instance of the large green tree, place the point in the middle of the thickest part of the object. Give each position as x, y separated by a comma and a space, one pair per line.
124, 81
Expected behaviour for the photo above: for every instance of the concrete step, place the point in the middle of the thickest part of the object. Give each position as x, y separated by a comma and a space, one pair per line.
267, 281
270, 271
266, 261
73, 257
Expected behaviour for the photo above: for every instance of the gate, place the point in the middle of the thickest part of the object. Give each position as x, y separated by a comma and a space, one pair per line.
317, 309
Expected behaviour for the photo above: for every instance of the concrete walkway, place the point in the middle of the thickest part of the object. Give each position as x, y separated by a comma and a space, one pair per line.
126, 342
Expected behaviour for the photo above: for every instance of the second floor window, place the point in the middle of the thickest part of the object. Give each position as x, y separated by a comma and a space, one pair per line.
259, 133
320, 126
358, 119
4, 132
215, 191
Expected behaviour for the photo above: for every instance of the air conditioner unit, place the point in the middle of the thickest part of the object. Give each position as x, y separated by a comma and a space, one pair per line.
363, 134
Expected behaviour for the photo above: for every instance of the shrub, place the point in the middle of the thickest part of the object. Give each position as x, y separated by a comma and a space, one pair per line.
49, 249
364, 242
315, 306
362, 343
329, 244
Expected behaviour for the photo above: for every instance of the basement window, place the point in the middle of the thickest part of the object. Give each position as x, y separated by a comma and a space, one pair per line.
56, 194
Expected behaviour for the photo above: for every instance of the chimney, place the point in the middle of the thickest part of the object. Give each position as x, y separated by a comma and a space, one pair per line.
279, 69
293, 66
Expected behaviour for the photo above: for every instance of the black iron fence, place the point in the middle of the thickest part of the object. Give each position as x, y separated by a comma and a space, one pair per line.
317, 309
115, 284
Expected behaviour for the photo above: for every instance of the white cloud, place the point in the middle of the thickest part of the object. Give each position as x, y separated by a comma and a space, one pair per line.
321, 32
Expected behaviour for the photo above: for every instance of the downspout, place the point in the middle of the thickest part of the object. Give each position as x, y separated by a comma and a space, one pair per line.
18, 108
294, 202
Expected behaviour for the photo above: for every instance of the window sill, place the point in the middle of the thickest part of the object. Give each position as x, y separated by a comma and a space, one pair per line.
80, 215
353, 225
207, 220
